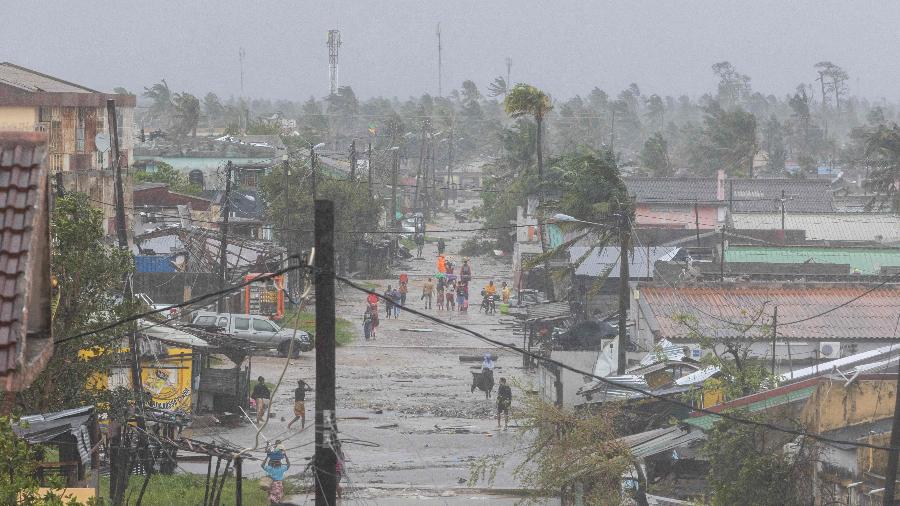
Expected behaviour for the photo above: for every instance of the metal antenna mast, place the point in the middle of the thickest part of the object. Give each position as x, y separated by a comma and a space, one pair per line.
440, 91
334, 42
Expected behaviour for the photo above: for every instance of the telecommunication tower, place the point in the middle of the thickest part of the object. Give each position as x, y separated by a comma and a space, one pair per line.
334, 42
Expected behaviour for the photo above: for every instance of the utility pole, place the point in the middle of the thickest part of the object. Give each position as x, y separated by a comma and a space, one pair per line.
419, 169
223, 238
624, 302
894, 454
508, 68
774, 337
353, 160
440, 64
447, 190
722, 257
312, 168
395, 167
369, 159
325, 457
697, 222
290, 238
782, 214
137, 385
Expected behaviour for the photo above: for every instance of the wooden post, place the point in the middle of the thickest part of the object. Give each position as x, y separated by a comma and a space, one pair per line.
624, 246
223, 238
238, 482
325, 457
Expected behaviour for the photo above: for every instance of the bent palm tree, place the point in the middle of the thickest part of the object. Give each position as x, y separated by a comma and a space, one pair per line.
526, 100
187, 110
884, 143
498, 87
161, 96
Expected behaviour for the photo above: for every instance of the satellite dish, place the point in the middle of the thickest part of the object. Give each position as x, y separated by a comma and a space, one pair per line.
101, 140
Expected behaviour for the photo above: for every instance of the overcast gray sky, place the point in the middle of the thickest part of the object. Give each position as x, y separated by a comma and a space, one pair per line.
566, 46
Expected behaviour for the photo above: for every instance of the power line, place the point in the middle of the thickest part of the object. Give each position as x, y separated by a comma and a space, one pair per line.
609, 382
186, 303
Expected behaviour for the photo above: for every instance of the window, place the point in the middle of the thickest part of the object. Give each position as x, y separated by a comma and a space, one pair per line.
206, 321
44, 114
262, 326
241, 323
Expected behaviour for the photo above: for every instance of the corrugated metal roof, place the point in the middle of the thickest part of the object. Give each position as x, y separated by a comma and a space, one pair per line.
31, 80
827, 226
861, 260
706, 422
548, 311
857, 360
871, 317
653, 442
671, 189
605, 259
764, 195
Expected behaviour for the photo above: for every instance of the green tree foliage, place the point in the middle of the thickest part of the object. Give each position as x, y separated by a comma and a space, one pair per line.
290, 205
727, 141
883, 145
773, 144
213, 107
187, 114
749, 467
165, 173
90, 274
655, 155
526, 100
565, 448
161, 102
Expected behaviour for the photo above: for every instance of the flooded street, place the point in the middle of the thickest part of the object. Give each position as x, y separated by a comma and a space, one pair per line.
410, 424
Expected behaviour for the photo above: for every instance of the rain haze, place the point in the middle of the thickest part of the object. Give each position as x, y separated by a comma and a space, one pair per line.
560, 253
389, 47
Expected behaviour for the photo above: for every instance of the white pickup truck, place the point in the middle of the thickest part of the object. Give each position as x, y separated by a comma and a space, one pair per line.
259, 330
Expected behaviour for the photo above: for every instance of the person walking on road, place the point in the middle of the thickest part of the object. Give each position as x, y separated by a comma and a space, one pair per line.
261, 396
451, 296
420, 243
395, 302
441, 285
505, 293
300, 404
427, 293
465, 272
461, 296
388, 302
504, 401
275, 471
370, 321
402, 290
441, 263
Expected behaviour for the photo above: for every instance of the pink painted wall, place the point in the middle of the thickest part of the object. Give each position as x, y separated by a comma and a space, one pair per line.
659, 215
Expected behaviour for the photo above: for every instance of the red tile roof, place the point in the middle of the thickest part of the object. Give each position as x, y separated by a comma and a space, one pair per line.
715, 307
22, 206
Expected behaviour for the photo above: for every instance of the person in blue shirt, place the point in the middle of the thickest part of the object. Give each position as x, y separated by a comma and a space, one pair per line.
275, 470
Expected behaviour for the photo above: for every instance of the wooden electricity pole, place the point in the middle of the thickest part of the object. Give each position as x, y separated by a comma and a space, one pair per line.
312, 167
353, 160
369, 159
325, 456
221, 306
624, 247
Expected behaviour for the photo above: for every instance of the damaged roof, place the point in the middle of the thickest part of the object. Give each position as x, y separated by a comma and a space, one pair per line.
814, 311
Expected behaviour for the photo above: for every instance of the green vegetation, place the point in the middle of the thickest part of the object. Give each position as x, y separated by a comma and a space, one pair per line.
345, 331
165, 173
166, 490
474, 247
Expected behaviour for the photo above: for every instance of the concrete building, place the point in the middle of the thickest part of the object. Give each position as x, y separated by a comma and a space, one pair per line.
71, 114
816, 321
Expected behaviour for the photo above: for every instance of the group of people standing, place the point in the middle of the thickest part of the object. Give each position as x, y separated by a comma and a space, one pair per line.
451, 289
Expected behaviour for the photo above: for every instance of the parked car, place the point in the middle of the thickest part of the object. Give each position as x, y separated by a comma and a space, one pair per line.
259, 330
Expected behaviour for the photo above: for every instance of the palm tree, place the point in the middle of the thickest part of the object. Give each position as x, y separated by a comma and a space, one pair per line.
498, 87
161, 96
526, 100
884, 144
187, 110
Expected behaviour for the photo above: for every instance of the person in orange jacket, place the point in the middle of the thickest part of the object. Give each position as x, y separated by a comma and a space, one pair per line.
441, 263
